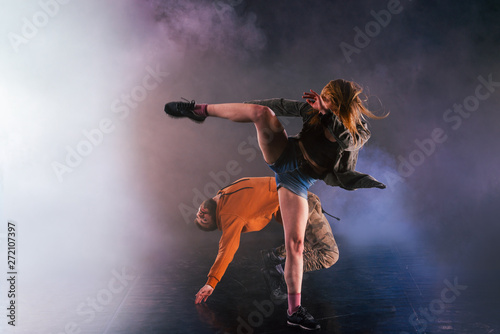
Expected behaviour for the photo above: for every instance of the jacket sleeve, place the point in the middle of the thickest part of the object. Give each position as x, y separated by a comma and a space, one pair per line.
283, 107
228, 245
343, 136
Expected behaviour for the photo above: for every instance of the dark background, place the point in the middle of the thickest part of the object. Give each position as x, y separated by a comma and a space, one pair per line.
426, 60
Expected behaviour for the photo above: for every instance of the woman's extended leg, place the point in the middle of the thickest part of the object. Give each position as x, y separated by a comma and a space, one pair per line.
270, 133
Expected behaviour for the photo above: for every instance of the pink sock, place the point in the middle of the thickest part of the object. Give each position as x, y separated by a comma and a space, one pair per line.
201, 110
293, 302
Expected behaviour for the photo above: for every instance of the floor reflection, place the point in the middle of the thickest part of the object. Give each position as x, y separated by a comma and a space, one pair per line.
372, 289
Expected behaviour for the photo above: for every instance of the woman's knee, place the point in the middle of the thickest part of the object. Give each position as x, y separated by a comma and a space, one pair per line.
264, 117
261, 113
295, 246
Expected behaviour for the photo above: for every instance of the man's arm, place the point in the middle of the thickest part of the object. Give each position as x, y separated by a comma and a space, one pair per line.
228, 245
203, 294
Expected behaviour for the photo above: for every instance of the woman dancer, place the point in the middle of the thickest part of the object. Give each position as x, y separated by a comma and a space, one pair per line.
327, 148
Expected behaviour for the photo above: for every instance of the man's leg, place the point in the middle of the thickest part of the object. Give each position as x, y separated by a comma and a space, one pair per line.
321, 250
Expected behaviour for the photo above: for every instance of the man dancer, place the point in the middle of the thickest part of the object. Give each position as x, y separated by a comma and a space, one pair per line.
248, 205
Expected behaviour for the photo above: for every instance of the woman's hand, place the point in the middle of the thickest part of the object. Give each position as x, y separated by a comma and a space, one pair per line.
315, 101
203, 294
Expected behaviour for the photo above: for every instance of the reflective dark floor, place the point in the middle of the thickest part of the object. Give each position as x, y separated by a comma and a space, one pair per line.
371, 289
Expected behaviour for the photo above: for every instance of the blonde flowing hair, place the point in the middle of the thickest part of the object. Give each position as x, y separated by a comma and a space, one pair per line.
347, 104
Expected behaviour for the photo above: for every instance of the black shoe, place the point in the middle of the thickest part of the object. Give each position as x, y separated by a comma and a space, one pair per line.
303, 319
276, 284
183, 109
270, 258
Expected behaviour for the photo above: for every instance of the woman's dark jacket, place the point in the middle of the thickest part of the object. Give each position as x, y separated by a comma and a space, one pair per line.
342, 172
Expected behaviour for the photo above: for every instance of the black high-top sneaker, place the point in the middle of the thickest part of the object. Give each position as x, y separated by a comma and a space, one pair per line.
302, 319
183, 109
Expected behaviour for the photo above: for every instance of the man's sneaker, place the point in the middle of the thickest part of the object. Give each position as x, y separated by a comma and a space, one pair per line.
270, 259
276, 284
302, 319
183, 109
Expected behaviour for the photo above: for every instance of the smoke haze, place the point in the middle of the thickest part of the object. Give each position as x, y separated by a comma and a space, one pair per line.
97, 177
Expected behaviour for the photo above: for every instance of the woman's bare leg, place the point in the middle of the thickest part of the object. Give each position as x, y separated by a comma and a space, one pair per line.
294, 211
270, 133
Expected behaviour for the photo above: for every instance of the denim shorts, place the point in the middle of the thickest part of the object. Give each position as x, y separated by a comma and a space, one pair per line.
289, 170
